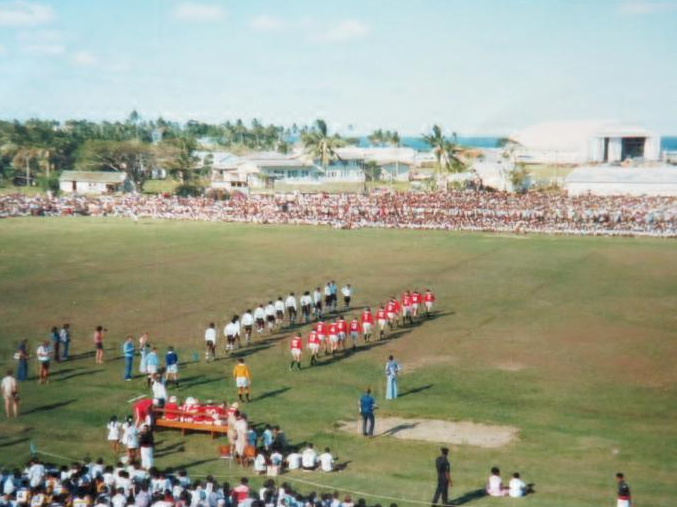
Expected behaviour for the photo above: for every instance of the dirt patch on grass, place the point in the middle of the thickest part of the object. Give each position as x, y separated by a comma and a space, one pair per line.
511, 366
443, 432
424, 362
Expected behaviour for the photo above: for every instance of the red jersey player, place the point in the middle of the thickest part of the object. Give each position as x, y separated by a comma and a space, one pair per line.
321, 329
367, 320
406, 305
391, 313
333, 337
429, 300
382, 319
296, 347
342, 328
313, 346
416, 300
354, 329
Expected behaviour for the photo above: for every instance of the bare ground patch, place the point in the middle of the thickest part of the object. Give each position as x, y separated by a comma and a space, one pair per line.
443, 432
423, 362
511, 366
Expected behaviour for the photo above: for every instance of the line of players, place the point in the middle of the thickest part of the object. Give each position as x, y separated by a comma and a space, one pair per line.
271, 317
331, 336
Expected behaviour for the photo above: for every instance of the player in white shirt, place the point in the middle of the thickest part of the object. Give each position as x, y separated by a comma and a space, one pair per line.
230, 331
248, 324
347, 293
238, 330
279, 312
270, 316
210, 342
317, 301
516, 487
260, 318
495, 484
114, 434
306, 305
309, 458
290, 304
294, 461
326, 460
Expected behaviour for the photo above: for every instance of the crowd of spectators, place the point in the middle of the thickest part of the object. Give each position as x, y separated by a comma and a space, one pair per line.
93, 484
553, 213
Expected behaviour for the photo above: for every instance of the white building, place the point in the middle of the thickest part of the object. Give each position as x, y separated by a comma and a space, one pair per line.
618, 180
583, 142
93, 182
394, 163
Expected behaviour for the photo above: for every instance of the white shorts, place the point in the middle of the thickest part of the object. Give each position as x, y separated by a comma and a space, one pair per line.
407, 310
366, 327
414, 306
321, 337
333, 338
296, 352
242, 382
382, 323
314, 347
173, 368
428, 304
622, 503
151, 370
341, 336
353, 335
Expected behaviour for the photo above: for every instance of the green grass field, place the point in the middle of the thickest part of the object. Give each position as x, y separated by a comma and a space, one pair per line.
571, 340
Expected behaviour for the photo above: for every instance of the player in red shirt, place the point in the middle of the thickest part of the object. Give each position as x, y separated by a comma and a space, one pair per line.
142, 409
171, 409
390, 313
415, 302
321, 329
429, 300
342, 328
333, 337
296, 347
354, 328
313, 346
382, 319
367, 320
406, 305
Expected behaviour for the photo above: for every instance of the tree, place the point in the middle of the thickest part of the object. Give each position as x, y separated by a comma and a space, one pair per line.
320, 144
132, 157
445, 152
178, 157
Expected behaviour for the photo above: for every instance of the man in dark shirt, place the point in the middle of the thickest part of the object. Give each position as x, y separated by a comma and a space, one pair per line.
367, 405
443, 468
623, 491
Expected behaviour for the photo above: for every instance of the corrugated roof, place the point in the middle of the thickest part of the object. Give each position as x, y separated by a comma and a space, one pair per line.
93, 176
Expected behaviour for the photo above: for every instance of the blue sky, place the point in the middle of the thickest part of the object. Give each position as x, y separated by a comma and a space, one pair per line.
476, 67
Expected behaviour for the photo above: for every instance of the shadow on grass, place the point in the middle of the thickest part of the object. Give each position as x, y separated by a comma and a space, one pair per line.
80, 374
183, 385
271, 394
193, 463
469, 496
400, 427
14, 442
415, 390
170, 449
47, 408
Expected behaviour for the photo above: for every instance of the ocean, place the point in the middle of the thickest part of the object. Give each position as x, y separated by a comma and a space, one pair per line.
668, 143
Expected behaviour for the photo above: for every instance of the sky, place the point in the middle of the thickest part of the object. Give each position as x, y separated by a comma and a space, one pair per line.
476, 67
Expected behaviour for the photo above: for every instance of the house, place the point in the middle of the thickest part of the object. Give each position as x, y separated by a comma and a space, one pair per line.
583, 142
93, 182
649, 179
392, 163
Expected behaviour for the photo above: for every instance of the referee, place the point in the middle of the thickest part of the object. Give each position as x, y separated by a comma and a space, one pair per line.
442, 468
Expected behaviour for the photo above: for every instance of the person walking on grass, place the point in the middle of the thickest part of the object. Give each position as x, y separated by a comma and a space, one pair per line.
392, 370
210, 342
367, 405
128, 353
44, 354
623, 497
243, 380
172, 367
114, 428
10, 394
56, 343
443, 469
65, 339
296, 347
98, 344
22, 357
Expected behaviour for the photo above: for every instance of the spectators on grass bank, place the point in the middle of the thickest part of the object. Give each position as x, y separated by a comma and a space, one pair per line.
553, 213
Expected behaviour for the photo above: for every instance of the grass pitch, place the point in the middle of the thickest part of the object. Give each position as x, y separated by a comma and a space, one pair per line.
570, 340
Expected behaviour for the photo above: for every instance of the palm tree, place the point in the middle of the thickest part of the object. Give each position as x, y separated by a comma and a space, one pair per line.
320, 144
445, 152
394, 140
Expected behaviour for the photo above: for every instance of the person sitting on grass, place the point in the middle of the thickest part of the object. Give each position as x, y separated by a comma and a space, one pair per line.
309, 458
494, 485
260, 462
326, 460
516, 486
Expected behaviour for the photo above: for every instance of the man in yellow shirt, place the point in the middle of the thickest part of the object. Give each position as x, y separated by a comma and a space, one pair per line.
243, 379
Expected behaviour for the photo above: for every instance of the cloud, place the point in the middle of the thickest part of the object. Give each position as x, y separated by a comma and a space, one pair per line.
21, 13
347, 30
266, 23
85, 59
44, 49
192, 11
646, 7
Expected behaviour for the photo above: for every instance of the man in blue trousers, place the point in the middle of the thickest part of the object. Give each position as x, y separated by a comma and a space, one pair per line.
128, 352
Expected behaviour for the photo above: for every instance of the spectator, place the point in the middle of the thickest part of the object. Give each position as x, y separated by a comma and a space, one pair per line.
56, 343
516, 487
494, 485
44, 354
326, 460
22, 357
65, 339
10, 394
309, 458
128, 353
367, 405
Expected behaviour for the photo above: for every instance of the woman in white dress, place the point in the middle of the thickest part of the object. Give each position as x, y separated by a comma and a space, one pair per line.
114, 434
